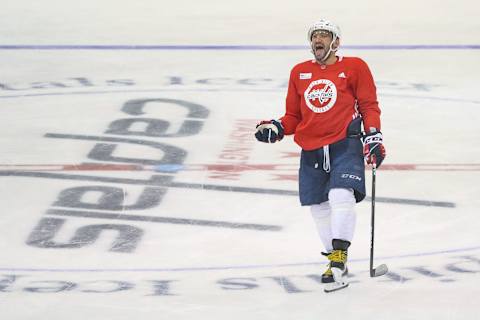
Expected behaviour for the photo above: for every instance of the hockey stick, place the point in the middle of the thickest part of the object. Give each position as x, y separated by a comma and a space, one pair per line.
381, 269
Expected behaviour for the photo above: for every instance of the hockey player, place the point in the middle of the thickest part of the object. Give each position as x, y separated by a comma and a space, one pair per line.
327, 100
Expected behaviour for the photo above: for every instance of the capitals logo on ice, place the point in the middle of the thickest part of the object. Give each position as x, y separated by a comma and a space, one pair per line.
320, 95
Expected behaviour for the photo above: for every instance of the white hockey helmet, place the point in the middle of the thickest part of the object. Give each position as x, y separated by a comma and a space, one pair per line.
324, 24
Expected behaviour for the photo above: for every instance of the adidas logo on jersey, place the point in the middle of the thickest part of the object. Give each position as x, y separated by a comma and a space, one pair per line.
342, 75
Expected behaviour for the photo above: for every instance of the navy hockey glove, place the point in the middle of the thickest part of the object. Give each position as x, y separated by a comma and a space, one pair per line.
373, 149
269, 131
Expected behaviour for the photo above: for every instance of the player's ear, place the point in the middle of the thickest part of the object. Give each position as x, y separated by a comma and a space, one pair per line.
336, 44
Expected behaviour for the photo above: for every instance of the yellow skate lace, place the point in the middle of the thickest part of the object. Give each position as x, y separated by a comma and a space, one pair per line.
338, 256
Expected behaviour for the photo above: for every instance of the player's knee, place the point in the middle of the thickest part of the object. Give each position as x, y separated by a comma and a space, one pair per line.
341, 198
320, 211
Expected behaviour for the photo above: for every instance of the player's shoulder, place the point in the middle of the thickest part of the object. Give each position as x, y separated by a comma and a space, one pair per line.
306, 63
354, 62
303, 66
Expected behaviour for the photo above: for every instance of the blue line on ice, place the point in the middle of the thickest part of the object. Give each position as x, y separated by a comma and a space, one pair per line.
233, 267
234, 47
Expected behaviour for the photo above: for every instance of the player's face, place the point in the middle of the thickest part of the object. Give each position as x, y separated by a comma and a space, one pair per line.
321, 40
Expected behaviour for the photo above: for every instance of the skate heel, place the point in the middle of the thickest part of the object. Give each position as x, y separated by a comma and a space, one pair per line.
340, 280
339, 277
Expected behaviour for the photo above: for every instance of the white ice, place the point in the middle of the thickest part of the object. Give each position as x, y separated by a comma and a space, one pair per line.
218, 242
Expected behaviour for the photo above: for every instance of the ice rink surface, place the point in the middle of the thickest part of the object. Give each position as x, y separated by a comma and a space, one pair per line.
132, 187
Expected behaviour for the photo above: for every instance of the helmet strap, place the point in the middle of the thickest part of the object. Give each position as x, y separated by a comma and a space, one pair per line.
330, 49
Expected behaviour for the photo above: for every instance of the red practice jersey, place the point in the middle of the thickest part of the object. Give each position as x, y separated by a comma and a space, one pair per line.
323, 100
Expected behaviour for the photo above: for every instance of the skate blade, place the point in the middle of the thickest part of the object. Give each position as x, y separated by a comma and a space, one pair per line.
334, 286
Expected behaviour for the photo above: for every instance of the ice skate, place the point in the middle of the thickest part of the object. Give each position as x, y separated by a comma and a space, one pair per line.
327, 276
337, 267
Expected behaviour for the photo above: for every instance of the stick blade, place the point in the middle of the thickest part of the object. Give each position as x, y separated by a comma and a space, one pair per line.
379, 271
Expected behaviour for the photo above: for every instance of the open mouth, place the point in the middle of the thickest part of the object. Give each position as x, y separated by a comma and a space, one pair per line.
319, 47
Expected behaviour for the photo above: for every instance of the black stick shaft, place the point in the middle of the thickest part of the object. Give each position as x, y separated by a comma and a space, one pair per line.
374, 175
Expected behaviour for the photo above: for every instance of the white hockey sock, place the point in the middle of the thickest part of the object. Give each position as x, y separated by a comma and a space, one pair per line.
342, 202
322, 216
